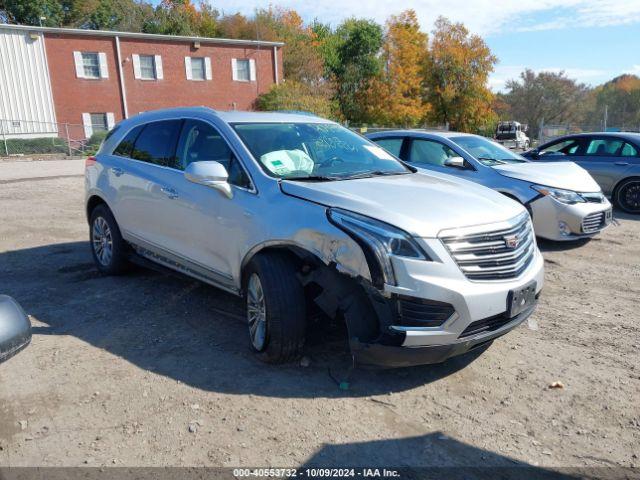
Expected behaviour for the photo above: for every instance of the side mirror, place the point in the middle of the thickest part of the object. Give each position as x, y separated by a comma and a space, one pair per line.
15, 328
535, 154
455, 162
210, 174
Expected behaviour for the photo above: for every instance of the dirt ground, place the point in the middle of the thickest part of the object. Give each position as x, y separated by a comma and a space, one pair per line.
155, 370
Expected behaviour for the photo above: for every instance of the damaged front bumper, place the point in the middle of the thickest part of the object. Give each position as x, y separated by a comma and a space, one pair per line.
391, 356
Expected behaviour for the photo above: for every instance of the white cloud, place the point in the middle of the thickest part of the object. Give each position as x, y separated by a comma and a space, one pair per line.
481, 16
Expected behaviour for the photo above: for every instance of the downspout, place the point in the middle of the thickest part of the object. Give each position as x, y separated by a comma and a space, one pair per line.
275, 63
121, 77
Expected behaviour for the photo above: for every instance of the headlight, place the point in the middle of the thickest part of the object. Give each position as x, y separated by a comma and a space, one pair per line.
565, 196
378, 240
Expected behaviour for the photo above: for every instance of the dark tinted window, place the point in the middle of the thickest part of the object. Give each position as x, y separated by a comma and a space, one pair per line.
157, 143
200, 142
126, 145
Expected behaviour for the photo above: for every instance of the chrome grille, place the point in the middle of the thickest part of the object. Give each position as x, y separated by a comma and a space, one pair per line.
491, 255
593, 222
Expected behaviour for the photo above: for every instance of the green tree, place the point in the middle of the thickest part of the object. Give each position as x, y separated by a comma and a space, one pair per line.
351, 60
106, 16
298, 96
545, 97
456, 74
30, 12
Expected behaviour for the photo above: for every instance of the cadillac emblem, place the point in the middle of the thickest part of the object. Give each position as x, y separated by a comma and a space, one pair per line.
511, 241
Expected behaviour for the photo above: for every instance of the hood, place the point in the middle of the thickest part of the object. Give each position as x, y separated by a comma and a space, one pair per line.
421, 204
565, 175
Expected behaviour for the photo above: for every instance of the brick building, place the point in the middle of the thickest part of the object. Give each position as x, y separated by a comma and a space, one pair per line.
50, 77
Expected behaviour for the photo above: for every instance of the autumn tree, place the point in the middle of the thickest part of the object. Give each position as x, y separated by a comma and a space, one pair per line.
618, 100
395, 96
545, 97
456, 74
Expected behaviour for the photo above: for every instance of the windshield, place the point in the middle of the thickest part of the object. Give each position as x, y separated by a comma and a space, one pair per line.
486, 151
315, 151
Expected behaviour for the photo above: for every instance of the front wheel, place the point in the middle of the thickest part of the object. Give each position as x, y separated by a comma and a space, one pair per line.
275, 308
627, 196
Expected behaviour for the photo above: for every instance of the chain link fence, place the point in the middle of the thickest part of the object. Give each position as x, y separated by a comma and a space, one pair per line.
26, 138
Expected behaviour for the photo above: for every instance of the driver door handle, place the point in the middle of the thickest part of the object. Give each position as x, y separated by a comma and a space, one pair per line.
117, 171
622, 164
169, 192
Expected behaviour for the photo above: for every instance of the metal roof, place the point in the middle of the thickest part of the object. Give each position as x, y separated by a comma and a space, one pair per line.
144, 36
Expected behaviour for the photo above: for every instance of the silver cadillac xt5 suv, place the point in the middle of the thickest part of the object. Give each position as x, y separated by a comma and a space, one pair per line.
295, 212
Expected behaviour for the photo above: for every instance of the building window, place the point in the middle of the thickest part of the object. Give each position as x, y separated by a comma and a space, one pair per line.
91, 65
243, 70
147, 67
197, 68
99, 122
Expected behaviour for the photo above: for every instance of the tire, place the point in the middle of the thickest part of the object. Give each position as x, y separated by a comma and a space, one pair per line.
281, 314
108, 248
627, 196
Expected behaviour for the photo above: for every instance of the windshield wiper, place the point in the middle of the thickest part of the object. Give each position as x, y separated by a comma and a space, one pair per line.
492, 160
372, 173
313, 178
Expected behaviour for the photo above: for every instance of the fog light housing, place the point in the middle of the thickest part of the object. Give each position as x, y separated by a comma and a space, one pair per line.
564, 230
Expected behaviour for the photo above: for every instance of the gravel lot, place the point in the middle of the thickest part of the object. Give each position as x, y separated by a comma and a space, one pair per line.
149, 369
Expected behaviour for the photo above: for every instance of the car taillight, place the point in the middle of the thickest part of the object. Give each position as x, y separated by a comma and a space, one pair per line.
90, 162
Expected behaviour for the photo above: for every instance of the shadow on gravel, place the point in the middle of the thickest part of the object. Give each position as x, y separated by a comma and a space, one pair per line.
447, 457
553, 246
184, 329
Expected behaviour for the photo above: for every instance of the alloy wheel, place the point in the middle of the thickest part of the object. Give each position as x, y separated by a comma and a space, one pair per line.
102, 241
630, 197
256, 313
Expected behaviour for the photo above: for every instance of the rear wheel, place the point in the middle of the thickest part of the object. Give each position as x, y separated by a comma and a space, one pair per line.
627, 196
107, 246
275, 308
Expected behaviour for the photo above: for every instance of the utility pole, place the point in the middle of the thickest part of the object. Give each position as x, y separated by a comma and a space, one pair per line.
606, 114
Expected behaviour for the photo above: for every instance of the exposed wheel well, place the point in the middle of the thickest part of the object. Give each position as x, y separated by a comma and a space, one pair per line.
92, 203
297, 255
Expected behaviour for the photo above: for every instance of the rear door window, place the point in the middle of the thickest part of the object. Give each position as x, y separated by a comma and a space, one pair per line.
628, 150
604, 147
157, 143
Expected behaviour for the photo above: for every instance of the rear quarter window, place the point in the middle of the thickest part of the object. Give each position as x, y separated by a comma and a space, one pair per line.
125, 147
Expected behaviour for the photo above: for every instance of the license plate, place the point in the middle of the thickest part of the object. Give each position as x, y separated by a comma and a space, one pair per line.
608, 216
521, 299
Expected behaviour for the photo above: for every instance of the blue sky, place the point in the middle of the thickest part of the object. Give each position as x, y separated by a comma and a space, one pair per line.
592, 40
